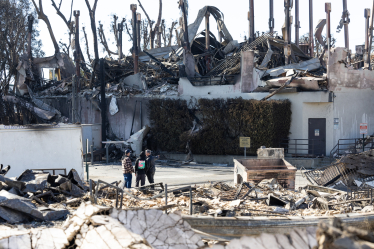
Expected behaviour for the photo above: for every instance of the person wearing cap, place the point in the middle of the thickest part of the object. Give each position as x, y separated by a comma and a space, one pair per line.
151, 166
127, 169
140, 166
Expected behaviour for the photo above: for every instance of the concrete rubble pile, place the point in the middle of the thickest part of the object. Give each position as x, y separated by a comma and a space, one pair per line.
337, 235
94, 226
352, 171
267, 198
298, 238
35, 196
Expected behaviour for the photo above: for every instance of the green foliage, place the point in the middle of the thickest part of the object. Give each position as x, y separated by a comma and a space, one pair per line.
169, 119
223, 122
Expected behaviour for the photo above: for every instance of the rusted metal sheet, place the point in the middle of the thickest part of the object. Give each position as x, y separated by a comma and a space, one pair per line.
256, 170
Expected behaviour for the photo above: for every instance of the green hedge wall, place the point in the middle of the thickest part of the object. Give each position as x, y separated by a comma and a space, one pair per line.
223, 122
169, 119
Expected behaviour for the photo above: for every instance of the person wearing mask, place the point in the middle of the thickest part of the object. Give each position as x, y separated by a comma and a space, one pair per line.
140, 166
127, 169
151, 166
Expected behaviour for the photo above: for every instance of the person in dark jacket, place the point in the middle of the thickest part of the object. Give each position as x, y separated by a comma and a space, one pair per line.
127, 169
151, 166
140, 168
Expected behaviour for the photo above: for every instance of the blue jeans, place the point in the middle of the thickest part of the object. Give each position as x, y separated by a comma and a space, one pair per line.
128, 179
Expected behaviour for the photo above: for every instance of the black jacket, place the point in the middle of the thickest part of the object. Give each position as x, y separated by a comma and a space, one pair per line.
140, 158
151, 164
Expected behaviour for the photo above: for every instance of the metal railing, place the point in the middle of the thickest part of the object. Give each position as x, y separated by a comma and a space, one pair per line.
303, 147
212, 81
351, 146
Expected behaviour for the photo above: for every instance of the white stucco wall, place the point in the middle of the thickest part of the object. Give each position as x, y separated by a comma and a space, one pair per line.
353, 106
41, 147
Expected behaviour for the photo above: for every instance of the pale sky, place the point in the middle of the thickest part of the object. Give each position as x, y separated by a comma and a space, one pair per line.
235, 17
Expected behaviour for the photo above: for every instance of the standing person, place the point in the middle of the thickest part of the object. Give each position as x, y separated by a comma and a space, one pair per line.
127, 169
140, 165
151, 166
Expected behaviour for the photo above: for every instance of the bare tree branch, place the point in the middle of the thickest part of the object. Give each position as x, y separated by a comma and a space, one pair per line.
114, 27
87, 48
62, 15
171, 32
93, 27
104, 42
146, 14
71, 10
43, 17
128, 32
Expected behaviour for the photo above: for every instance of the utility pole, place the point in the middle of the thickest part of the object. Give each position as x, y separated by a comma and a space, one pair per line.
77, 52
311, 36
297, 22
271, 16
133, 8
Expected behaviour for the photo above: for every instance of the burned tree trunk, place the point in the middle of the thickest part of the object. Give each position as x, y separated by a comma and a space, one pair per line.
93, 27
153, 31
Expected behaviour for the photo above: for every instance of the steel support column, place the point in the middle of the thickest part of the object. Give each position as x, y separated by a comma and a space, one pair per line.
29, 35
251, 18
77, 52
297, 22
133, 8
103, 101
328, 31
371, 34
287, 42
366, 54
311, 36
271, 15
120, 30
346, 21
207, 41
139, 19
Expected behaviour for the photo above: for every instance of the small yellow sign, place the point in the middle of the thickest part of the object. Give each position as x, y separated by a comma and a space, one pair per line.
245, 142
